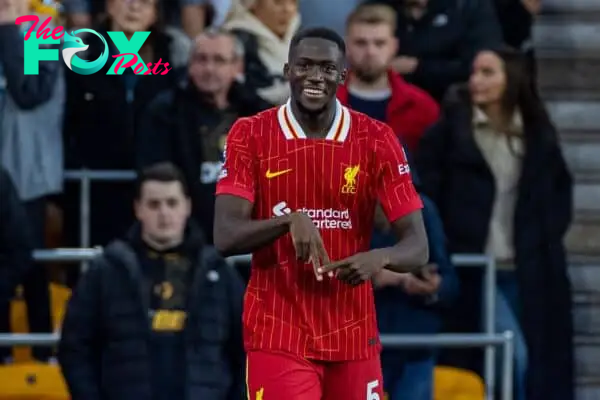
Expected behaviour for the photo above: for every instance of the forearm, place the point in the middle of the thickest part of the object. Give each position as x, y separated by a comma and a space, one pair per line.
385, 278
239, 236
408, 255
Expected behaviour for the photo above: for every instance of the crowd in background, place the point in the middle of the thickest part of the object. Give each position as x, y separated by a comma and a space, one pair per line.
455, 79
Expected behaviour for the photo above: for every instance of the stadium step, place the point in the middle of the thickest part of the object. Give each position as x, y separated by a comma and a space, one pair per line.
567, 43
586, 316
570, 33
563, 7
572, 77
585, 279
587, 356
588, 388
583, 239
575, 115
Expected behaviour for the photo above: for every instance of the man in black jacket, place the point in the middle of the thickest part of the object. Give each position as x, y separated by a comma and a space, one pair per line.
188, 126
15, 249
158, 315
439, 38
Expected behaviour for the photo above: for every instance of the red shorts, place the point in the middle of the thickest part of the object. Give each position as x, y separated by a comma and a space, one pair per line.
283, 376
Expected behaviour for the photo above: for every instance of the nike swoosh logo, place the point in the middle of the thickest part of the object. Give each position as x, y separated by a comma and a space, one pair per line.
271, 175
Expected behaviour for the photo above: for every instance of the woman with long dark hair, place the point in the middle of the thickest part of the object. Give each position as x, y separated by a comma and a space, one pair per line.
494, 166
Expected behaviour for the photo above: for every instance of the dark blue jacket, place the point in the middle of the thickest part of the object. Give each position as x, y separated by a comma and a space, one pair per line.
104, 351
399, 313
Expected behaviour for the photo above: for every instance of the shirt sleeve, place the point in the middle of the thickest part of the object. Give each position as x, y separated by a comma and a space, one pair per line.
395, 189
238, 176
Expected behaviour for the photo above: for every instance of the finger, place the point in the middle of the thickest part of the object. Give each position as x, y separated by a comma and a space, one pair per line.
356, 277
314, 259
344, 275
316, 268
335, 265
301, 250
324, 256
421, 287
413, 286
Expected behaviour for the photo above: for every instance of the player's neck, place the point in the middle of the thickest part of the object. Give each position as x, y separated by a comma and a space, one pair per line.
314, 124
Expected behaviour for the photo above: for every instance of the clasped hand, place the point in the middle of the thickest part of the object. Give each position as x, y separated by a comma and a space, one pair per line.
358, 268
309, 247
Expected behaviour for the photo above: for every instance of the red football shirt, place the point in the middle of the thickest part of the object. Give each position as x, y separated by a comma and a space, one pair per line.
337, 182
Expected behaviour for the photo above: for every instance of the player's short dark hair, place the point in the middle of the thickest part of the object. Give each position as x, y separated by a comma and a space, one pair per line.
165, 172
319, 33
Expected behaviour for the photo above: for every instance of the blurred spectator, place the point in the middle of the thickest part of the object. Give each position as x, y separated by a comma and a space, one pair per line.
31, 118
410, 304
15, 251
372, 87
192, 15
516, 20
266, 28
79, 12
439, 38
158, 315
494, 167
188, 125
331, 13
198, 14
104, 111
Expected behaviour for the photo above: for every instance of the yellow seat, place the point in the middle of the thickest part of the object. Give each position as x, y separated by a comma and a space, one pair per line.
457, 384
59, 296
32, 381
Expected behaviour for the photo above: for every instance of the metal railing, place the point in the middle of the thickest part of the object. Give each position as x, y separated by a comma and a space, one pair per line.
459, 260
506, 340
85, 178
489, 308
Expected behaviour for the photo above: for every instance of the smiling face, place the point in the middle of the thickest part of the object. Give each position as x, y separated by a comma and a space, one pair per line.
315, 69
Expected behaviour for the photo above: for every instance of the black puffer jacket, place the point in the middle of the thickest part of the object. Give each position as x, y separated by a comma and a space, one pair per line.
104, 349
15, 239
177, 125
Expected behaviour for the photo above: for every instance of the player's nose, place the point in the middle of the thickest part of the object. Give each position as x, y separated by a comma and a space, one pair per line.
315, 75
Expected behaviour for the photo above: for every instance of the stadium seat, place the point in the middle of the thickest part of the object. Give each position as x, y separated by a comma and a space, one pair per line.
32, 381
59, 296
457, 384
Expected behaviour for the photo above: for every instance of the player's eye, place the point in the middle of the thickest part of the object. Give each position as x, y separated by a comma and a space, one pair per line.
330, 69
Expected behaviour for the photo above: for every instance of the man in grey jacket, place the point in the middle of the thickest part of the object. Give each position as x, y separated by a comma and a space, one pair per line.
31, 112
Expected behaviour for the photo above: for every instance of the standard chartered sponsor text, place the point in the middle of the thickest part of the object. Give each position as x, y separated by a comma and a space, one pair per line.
323, 218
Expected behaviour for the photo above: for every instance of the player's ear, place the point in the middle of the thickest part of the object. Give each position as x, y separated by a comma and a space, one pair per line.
343, 75
286, 71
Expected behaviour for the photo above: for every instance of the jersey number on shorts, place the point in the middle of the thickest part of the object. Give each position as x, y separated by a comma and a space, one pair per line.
371, 394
